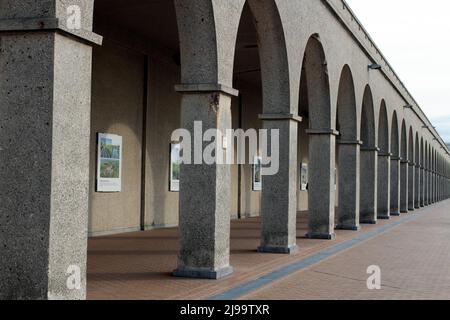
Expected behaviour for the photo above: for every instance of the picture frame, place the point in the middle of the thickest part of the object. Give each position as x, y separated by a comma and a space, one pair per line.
257, 176
175, 166
303, 177
109, 163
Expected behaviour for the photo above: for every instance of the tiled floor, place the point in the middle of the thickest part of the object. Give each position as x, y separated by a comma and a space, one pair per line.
414, 257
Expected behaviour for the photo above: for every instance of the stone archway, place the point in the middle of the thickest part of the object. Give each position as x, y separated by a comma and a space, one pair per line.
395, 167
404, 170
369, 160
322, 141
411, 170
348, 154
384, 165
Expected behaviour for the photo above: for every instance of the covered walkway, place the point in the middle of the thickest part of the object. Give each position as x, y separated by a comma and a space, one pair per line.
138, 265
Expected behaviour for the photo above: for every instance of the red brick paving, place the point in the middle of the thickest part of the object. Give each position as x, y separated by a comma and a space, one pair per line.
413, 257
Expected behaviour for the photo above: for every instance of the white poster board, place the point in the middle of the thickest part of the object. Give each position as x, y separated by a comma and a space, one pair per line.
109, 163
175, 165
257, 176
303, 177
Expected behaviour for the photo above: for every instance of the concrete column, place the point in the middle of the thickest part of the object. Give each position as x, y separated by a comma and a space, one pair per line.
384, 182
429, 190
431, 187
404, 186
45, 104
349, 185
422, 186
321, 190
417, 187
369, 190
436, 197
411, 186
395, 186
205, 189
279, 191
426, 187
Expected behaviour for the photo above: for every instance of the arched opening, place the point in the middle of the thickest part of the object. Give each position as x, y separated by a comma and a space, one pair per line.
416, 169
133, 76
404, 170
317, 142
279, 189
433, 169
384, 165
422, 173
411, 170
426, 174
395, 166
347, 154
369, 161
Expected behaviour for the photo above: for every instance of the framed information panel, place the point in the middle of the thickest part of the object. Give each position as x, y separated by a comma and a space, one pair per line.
109, 163
257, 176
303, 177
175, 164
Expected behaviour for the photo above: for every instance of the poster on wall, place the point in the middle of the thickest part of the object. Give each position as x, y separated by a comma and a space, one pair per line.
257, 176
109, 163
303, 177
175, 165
335, 178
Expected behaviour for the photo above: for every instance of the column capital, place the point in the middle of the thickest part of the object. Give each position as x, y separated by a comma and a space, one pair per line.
404, 161
412, 163
385, 154
206, 87
322, 132
373, 149
395, 158
350, 142
280, 116
49, 25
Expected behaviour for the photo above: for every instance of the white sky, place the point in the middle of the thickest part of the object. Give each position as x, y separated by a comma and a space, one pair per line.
414, 37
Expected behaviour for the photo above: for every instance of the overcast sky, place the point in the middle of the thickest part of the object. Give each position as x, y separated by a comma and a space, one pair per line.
414, 37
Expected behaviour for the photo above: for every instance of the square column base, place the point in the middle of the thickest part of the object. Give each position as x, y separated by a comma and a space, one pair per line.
368, 222
278, 250
203, 273
321, 236
348, 227
396, 214
383, 217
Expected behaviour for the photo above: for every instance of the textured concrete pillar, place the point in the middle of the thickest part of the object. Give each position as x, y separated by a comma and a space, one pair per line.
411, 186
205, 191
430, 202
404, 190
349, 186
383, 185
279, 191
431, 186
321, 190
417, 187
422, 186
395, 186
369, 190
435, 194
426, 187
45, 100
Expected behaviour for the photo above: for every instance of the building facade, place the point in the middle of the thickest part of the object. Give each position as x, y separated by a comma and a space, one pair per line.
71, 69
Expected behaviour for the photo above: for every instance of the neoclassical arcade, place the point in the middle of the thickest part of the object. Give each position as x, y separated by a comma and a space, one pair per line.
142, 69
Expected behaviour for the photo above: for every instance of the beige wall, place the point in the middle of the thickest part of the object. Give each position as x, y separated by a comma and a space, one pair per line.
117, 104
163, 116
